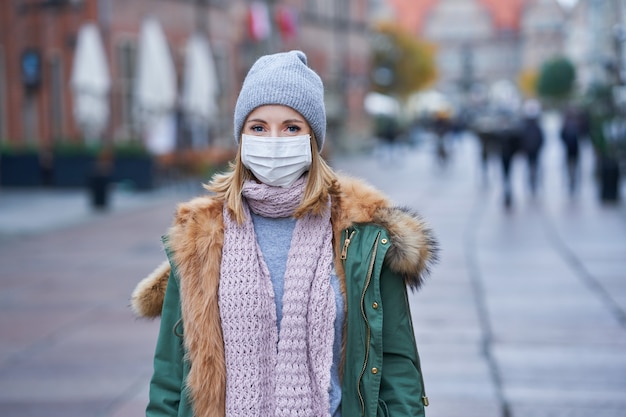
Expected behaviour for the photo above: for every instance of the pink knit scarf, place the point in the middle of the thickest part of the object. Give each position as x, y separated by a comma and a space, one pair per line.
269, 374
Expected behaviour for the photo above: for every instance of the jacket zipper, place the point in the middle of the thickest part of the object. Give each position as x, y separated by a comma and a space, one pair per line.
346, 243
367, 324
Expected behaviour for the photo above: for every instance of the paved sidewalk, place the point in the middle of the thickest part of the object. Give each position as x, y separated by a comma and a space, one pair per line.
70, 345
26, 211
523, 317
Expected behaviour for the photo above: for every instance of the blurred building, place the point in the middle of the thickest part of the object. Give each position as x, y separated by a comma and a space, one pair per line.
38, 40
543, 32
481, 42
596, 40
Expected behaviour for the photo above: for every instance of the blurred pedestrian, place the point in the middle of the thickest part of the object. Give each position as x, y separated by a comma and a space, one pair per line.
272, 300
387, 130
509, 137
532, 138
442, 126
570, 135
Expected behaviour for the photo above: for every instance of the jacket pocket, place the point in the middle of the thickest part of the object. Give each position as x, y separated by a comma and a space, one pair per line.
382, 411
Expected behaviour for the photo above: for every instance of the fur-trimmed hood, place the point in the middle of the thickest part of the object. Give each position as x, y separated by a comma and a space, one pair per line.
412, 252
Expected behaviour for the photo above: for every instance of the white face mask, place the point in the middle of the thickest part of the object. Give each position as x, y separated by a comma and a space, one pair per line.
276, 161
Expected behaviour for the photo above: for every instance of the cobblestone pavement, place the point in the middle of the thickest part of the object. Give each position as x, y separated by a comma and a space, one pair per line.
525, 315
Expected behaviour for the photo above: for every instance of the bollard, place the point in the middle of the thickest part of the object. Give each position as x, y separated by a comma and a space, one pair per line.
99, 190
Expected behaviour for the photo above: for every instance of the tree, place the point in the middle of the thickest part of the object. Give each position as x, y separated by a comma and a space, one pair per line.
556, 79
528, 82
401, 63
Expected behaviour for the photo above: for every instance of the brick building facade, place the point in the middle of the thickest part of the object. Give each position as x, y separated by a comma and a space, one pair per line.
38, 39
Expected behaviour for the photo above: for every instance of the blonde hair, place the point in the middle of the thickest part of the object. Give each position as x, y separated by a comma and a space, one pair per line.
321, 183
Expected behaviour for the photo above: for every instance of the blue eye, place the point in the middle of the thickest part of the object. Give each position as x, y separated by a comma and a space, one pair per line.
256, 128
293, 128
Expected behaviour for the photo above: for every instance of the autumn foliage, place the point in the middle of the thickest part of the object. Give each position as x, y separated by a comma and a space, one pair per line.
402, 64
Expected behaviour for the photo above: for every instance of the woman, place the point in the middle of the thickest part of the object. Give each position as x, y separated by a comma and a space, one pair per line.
285, 289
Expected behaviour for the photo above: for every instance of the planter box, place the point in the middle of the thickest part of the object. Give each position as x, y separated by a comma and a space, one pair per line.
72, 170
609, 179
138, 170
20, 170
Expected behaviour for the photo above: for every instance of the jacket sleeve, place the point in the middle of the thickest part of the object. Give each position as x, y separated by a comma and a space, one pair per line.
165, 386
401, 389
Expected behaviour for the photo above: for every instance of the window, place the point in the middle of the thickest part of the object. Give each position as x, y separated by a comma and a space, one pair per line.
56, 97
323, 8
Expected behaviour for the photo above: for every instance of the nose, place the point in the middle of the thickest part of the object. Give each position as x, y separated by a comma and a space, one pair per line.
275, 131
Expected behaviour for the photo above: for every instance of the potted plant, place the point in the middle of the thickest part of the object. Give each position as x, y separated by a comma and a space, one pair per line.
19, 166
610, 146
73, 164
133, 165
608, 136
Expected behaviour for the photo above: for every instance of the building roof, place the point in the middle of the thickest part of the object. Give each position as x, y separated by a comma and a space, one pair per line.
505, 13
411, 14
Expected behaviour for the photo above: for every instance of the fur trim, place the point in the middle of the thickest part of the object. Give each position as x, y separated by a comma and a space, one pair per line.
413, 248
147, 298
196, 241
357, 202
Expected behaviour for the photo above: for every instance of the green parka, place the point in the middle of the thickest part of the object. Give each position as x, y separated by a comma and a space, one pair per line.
379, 251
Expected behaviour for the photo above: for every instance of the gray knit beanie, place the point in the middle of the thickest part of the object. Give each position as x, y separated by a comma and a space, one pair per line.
283, 78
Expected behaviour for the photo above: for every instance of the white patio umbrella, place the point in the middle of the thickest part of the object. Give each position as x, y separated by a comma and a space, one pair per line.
200, 89
378, 104
90, 83
428, 103
155, 88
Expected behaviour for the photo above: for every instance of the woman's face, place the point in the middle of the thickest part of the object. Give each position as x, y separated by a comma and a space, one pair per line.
274, 120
